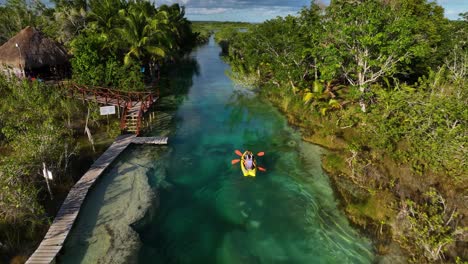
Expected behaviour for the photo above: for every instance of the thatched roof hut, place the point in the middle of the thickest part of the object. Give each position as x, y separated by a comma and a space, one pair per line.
30, 50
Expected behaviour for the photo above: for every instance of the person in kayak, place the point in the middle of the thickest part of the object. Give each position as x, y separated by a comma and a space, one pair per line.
249, 161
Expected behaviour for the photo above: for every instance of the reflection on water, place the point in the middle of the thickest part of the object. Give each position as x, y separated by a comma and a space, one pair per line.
205, 211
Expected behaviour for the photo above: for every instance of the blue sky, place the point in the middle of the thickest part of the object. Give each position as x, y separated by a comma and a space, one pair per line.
261, 10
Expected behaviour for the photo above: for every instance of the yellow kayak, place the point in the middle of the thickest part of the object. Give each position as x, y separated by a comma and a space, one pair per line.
247, 172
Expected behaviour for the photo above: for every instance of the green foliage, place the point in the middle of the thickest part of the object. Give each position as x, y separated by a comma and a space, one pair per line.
68, 23
144, 32
100, 68
430, 124
123, 37
34, 120
181, 28
430, 224
18, 14
334, 162
103, 14
104, 35
88, 63
369, 44
202, 33
204, 30
271, 52
431, 36
222, 37
127, 77
401, 62
77, 4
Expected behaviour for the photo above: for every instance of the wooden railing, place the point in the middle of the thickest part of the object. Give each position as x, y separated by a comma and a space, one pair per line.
123, 99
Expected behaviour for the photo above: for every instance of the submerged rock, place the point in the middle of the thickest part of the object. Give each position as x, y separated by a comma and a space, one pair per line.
103, 232
254, 224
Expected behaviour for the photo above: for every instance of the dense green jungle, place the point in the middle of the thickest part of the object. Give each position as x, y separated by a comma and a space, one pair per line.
382, 85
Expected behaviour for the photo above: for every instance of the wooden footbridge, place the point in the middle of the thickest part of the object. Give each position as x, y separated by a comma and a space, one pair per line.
133, 105
66, 216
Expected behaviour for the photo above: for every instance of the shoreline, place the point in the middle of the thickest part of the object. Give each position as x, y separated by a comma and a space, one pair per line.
387, 250
374, 190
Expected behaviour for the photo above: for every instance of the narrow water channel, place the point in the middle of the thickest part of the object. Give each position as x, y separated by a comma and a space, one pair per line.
186, 203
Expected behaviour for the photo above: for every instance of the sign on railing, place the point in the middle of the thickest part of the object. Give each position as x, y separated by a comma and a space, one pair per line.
107, 110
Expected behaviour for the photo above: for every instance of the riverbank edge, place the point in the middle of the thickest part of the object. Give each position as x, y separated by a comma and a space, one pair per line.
374, 213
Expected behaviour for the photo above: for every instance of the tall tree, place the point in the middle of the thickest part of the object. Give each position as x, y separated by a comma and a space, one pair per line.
76, 4
14, 16
70, 21
370, 40
179, 26
144, 32
431, 35
104, 14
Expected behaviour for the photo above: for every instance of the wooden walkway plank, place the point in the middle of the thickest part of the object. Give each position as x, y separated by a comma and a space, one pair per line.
150, 140
58, 231
66, 216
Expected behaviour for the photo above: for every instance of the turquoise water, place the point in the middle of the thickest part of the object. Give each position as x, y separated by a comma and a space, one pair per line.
200, 209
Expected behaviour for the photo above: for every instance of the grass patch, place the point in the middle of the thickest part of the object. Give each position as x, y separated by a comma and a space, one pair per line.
378, 207
333, 162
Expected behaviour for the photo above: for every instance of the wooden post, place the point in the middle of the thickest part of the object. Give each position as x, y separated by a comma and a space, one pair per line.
46, 176
88, 132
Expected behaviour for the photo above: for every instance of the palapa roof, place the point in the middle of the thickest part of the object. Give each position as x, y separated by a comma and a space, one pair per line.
36, 50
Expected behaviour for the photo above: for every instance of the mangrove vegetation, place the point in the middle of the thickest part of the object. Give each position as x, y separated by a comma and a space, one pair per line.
383, 85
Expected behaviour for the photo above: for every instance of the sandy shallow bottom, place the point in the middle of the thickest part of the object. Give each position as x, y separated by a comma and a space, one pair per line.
121, 197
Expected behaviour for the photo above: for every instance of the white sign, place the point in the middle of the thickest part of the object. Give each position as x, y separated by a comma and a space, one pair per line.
47, 173
107, 110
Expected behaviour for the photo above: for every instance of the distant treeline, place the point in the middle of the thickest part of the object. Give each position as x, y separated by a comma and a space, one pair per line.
207, 28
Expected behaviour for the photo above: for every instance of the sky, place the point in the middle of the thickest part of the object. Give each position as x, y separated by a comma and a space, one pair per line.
261, 10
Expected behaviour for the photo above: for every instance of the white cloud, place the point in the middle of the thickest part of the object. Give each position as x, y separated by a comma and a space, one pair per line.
451, 12
205, 11
170, 2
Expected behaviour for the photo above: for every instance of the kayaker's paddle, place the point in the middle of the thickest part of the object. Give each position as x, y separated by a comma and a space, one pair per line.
234, 161
238, 152
260, 154
261, 168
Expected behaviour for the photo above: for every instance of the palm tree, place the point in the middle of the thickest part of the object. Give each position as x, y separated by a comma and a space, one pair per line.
70, 22
104, 13
180, 26
144, 32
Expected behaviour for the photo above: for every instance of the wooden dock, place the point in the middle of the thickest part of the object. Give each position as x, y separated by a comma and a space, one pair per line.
66, 216
150, 140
